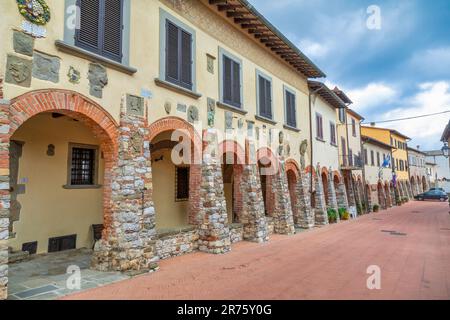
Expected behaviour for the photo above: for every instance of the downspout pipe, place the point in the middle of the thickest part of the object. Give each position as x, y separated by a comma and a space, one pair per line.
311, 138
366, 198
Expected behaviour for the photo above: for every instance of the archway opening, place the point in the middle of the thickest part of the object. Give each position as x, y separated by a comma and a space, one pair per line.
424, 184
264, 165
292, 186
381, 200
232, 174
325, 187
388, 195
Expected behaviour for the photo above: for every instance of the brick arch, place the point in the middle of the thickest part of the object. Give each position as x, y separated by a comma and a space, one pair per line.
292, 165
325, 171
195, 173
310, 169
266, 152
230, 146
336, 176
81, 108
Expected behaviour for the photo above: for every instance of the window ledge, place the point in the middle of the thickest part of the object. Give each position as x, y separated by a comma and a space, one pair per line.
230, 107
264, 119
320, 139
82, 53
94, 186
334, 144
177, 89
288, 127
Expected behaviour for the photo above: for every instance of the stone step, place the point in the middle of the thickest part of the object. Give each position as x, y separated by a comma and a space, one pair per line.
18, 256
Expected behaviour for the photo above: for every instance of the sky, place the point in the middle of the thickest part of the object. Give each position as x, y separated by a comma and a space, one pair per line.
392, 60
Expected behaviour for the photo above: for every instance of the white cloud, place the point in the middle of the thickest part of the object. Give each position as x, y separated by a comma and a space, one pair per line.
313, 49
432, 97
372, 95
433, 61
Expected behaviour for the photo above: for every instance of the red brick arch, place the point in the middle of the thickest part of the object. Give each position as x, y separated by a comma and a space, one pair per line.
310, 169
81, 108
292, 165
230, 146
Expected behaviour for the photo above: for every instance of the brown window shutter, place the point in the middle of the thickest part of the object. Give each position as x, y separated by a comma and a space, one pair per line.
171, 52
87, 36
268, 99
262, 97
186, 60
227, 93
112, 44
236, 84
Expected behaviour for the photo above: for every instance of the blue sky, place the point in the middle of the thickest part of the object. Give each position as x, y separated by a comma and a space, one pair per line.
400, 70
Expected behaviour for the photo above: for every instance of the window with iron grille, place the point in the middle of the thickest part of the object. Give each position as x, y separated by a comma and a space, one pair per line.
101, 27
182, 183
264, 96
178, 56
231, 81
82, 170
354, 127
289, 101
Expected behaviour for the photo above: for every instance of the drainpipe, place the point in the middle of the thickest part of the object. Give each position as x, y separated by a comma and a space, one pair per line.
366, 199
311, 138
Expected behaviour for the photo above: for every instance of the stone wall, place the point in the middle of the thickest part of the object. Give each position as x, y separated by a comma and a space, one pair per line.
320, 210
270, 229
177, 242
236, 232
305, 215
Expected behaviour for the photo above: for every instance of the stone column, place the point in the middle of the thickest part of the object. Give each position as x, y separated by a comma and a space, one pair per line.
369, 199
304, 214
252, 214
282, 217
214, 233
332, 200
4, 195
341, 195
388, 197
128, 239
320, 211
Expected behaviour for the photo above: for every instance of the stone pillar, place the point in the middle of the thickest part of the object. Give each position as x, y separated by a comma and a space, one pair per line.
252, 214
420, 185
128, 239
4, 194
320, 211
282, 216
341, 195
332, 200
369, 198
214, 233
387, 192
304, 214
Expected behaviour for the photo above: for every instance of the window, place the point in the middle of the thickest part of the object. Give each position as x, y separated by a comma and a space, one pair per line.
101, 27
182, 183
392, 142
319, 126
83, 164
231, 79
372, 158
178, 56
366, 159
264, 98
350, 157
332, 133
289, 101
378, 159
401, 165
354, 127
396, 164
342, 115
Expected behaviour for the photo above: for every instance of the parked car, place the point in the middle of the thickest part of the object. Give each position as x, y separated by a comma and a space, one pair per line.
432, 195
440, 189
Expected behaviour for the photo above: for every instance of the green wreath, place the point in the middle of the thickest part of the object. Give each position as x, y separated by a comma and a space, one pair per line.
35, 11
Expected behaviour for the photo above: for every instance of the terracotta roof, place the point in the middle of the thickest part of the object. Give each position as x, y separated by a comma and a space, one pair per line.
391, 130
356, 114
376, 142
242, 13
341, 94
326, 94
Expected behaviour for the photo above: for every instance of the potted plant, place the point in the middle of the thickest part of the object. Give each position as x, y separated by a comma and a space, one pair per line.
332, 215
376, 208
343, 214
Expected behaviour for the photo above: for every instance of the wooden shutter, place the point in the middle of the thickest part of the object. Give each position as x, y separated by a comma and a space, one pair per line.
262, 97
172, 50
227, 89
112, 21
290, 109
88, 35
236, 84
268, 98
186, 60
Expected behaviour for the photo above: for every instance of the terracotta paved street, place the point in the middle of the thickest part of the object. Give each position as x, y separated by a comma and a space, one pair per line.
326, 263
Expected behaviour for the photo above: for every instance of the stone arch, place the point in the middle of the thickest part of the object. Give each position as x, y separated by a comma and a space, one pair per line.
74, 105
325, 177
387, 193
172, 123
381, 195
268, 167
293, 177
232, 173
292, 165
424, 184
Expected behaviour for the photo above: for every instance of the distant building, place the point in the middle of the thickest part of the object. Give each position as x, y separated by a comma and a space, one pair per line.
418, 171
442, 164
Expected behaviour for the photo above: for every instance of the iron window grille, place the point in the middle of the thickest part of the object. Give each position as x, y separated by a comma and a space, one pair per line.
182, 183
83, 165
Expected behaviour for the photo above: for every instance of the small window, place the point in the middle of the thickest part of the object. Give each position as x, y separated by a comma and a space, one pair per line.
264, 96
182, 183
350, 157
366, 159
289, 101
319, 126
372, 158
354, 127
378, 159
231, 81
83, 163
101, 26
342, 115
332, 133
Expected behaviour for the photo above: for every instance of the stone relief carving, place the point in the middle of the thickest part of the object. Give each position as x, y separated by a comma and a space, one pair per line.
73, 75
303, 149
18, 71
46, 67
210, 63
211, 111
136, 143
23, 43
168, 107
240, 123
135, 105
192, 114
181, 107
98, 79
228, 120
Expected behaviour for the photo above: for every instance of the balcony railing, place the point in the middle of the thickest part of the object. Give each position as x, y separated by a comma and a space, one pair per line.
352, 162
